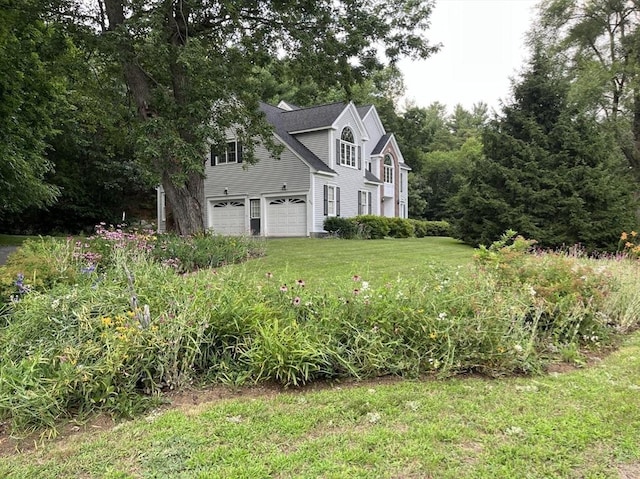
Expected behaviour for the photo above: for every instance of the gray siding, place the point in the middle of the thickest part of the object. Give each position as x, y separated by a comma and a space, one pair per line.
317, 142
267, 176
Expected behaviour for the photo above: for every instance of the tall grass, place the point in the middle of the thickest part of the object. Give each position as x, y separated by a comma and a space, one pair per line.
121, 334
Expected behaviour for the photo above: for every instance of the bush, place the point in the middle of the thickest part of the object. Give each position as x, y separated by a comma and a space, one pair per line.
342, 227
437, 228
373, 227
401, 228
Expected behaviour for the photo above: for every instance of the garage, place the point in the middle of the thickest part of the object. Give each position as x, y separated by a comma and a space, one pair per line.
287, 216
227, 217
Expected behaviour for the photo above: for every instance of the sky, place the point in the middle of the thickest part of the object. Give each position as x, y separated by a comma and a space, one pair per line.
483, 47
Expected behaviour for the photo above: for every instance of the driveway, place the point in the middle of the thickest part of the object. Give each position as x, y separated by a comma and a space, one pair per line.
5, 251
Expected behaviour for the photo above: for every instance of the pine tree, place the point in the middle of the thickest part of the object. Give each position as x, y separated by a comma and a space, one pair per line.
549, 171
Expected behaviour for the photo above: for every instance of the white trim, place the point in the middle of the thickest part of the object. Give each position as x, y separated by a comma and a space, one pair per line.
364, 134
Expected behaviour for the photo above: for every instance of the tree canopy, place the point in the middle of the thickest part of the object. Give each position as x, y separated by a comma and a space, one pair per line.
30, 95
190, 69
548, 171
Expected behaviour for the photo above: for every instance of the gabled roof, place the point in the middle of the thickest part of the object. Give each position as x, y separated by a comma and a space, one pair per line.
363, 110
278, 118
312, 118
382, 142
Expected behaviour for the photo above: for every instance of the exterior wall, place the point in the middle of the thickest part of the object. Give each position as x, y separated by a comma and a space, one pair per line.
317, 142
375, 133
349, 188
393, 210
404, 193
267, 176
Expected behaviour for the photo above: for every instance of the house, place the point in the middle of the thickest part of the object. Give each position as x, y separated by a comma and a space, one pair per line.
338, 160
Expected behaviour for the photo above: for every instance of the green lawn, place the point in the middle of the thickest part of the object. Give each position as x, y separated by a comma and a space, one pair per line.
583, 423
330, 258
9, 240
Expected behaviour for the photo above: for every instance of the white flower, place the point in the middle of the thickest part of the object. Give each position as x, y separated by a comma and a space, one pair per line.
365, 285
517, 348
442, 316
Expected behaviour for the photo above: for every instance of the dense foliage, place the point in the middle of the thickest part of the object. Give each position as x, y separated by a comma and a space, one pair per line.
378, 227
110, 336
548, 171
30, 95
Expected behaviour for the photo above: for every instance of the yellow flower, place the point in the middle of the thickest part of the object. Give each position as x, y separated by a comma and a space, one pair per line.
623, 236
628, 245
131, 314
433, 335
106, 321
501, 350
634, 234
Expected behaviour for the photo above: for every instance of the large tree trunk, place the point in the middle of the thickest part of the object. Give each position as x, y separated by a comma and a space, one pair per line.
187, 203
186, 199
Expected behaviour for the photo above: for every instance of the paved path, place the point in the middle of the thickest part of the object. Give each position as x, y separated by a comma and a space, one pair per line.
5, 251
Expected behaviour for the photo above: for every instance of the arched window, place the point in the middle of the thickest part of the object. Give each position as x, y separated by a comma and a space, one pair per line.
348, 148
388, 168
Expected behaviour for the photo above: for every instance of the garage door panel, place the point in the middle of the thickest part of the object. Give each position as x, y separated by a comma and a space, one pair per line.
287, 217
227, 217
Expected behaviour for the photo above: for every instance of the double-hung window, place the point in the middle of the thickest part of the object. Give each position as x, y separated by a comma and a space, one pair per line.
348, 148
231, 154
364, 202
388, 169
331, 200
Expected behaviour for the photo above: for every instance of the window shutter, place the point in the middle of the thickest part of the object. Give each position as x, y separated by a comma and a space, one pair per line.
239, 152
326, 200
337, 201
369, 202
337, 151
359, 157
359, 202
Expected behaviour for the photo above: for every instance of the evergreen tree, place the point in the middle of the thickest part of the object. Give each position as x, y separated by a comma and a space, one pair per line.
549, 171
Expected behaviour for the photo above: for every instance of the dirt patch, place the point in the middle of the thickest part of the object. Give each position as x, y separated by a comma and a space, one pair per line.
629, 471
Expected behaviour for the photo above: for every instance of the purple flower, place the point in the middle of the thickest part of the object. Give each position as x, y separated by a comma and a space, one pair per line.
284, 288
356, 277
296, 301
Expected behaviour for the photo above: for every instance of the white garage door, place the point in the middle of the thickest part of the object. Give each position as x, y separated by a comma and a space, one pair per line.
227, 217
287, 217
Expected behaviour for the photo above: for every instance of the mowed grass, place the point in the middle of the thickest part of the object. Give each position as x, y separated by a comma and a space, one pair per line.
324, 259
584, 423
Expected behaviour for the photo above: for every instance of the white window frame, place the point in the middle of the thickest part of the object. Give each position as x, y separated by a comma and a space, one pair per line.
348, 149
388, 169
331, 200
231, 153
363, 204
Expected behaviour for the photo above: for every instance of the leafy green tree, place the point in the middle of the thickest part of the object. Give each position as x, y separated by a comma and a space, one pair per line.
30, 95
549, 171
445, 172
600, 42
189, 67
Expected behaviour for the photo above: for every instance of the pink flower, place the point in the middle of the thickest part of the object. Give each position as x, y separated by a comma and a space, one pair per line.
356, 291
269, 275
296, 301
284, 288
356, 277
300, 283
